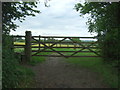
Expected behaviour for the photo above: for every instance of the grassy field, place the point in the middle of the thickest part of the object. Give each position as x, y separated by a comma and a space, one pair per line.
58, 45
22, 43
95, 64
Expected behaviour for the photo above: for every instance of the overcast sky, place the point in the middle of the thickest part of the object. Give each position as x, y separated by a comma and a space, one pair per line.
60, 19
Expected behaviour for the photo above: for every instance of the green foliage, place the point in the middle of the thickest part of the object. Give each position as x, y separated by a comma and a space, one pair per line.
110, 45
13, 75
9, 74
104, 20
12, 11
103, 15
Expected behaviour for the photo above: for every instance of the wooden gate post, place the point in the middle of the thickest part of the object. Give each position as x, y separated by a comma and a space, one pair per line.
28, 50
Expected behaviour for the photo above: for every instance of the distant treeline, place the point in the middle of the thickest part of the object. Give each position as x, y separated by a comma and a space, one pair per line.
20, 39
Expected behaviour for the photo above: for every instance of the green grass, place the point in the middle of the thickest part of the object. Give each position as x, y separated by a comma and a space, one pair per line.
19, 49
35, 59
26, 77
38, 59
109, 74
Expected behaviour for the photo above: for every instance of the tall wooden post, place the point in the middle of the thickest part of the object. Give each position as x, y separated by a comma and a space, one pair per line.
39, 42
28, 50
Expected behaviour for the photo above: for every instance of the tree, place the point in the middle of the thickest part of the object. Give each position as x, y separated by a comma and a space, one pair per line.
104, 19
12, 11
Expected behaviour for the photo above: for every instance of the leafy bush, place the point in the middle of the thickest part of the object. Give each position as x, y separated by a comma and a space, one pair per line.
9, 74
12, 73
110, 45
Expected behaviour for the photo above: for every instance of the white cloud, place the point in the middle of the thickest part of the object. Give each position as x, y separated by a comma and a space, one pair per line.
58, 19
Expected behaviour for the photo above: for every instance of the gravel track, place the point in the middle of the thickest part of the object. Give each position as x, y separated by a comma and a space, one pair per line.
56, 73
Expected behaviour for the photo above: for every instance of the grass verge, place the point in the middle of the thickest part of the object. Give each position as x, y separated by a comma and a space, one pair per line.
26, 76
38, 59
35, 60
109, 74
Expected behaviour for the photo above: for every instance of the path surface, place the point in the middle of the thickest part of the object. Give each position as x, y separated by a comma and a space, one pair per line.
56, 73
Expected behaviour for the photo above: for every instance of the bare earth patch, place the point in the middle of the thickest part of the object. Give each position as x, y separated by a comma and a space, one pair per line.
56, 73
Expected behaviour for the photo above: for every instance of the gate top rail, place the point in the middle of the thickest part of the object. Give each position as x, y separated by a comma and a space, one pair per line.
17, 36
61, 37
53, 36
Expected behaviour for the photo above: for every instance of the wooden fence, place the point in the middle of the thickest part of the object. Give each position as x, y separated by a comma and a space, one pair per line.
43, 45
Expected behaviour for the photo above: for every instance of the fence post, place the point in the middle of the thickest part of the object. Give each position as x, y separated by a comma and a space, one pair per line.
28, 50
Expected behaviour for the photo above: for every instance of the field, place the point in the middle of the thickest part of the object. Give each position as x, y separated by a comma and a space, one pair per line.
58, 45
96, 64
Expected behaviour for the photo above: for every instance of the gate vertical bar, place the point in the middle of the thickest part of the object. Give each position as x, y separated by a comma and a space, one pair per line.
60, 44
28, 50
39, 42
48, 41
44, 42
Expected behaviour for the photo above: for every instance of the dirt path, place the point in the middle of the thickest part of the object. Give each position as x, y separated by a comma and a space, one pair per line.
56, 73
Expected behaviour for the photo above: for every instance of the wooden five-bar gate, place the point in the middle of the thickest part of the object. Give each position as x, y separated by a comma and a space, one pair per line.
35, 45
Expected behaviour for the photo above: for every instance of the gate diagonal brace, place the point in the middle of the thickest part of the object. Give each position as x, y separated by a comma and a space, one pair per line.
57, 42
52, 50
38, 43
88, 47
92, 44
52, 44
39, 51
48, 47
59, 53
75, 42
78, 50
